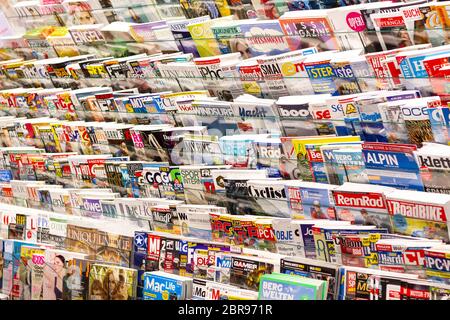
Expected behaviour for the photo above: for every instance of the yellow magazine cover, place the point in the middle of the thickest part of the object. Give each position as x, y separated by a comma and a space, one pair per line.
65, 106
62, 42
236, 297
300, 143
108, 282
221, 227
38, 43
58, 133
419, 214
10, 69
369, 241
306, 171
223, 7
97, 71
39, 33
204, 38
185, 95
443, 11
128, 106
85, 141
49, 139
37, 129
4, 62
7, 54
425, 228
320, 244
358, 250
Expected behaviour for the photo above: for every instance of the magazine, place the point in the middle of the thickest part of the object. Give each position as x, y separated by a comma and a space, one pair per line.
363, 204
433, 168
425, 217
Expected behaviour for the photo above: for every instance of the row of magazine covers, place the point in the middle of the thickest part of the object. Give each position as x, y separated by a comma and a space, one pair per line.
345, 75
119, 185
372, 27
48, 256
108, 11
294, 137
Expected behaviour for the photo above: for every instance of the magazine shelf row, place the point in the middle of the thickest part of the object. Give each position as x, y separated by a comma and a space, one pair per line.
225, 150
378, 116
100, 38
95, 11
215, 270
227, 77
373, 27
299, 72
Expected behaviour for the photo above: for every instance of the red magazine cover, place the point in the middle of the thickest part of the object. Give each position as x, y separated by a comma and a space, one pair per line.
433, 67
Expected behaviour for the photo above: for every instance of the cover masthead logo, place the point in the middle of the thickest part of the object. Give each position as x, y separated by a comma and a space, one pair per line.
155, 286
244, 264
434, 162
437, 261
223, 262
417, 210
153, 245
273, 192
359, 200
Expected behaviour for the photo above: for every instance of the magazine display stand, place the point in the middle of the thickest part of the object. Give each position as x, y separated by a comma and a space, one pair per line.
232, 149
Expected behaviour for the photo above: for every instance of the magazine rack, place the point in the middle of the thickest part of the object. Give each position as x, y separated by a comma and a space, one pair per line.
153, 134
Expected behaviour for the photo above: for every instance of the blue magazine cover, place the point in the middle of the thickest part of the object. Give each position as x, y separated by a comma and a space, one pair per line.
239, 150
5, 175
299, 5
438, 125
414, 71
351, 118
371, 122
344, 77
322, 77
330, 163
317, 203
160, 287
392, 165
350, 166
139, 259
335, 106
